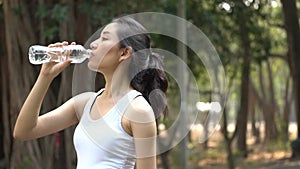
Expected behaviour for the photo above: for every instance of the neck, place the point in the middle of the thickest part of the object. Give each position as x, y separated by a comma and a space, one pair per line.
117, 83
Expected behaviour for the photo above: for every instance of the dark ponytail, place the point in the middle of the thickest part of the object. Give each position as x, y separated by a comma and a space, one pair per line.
152, 82
146, 70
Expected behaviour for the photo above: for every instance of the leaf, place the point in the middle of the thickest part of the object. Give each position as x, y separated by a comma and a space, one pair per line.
59, 12
50, 32
41, 11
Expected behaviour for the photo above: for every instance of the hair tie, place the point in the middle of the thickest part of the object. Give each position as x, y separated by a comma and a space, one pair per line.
154, 55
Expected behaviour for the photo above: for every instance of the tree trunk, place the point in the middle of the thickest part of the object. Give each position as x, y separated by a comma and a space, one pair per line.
267, 103
5, 115
65, 156
182, 52
2, 76
286, 111
243, 112
16, 82
84, 29
291, 21
228, 140
165, 160
252, 106
270, 126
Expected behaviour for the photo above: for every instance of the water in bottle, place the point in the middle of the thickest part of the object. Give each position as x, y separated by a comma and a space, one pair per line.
42, 54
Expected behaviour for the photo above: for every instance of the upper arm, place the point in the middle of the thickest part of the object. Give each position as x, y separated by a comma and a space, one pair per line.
144, 131
145, 144
60, 118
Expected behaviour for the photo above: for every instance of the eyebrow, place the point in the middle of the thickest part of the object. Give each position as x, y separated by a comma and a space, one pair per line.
106, 32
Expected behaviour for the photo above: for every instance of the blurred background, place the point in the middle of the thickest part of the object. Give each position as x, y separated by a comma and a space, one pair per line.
258, 42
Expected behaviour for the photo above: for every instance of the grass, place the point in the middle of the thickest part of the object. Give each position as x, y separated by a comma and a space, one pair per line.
259, 156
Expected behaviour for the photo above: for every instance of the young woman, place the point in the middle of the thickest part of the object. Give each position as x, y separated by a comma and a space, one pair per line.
116, 125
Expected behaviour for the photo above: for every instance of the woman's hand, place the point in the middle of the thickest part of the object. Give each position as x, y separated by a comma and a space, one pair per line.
29, 124
52, 69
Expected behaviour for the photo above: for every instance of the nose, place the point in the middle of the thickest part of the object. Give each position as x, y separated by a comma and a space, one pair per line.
93, 45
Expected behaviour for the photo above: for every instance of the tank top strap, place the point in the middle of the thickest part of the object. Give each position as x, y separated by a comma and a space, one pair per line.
125, 101
120, 106
90, 103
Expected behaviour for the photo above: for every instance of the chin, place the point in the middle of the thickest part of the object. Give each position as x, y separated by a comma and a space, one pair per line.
92, 66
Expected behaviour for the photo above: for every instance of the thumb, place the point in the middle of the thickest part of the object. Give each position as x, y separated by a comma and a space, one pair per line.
62, 65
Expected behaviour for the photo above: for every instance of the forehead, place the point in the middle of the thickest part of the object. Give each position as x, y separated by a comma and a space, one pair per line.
110, 29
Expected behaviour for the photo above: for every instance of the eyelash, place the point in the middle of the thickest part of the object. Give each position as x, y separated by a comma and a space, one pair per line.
104, 38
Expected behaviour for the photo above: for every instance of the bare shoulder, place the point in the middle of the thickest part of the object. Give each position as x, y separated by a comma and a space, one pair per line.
84, 96
80, 101
140, 111
142, 119
141, 104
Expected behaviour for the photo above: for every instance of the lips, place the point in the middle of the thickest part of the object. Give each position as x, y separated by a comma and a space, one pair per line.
92, 55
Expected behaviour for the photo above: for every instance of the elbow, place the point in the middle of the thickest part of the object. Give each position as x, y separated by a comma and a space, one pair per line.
18, 135
23, 133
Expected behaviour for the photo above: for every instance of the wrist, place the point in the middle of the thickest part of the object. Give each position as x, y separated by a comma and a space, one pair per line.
45, 78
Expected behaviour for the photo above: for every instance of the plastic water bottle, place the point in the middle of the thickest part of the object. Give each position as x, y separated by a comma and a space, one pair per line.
41, 54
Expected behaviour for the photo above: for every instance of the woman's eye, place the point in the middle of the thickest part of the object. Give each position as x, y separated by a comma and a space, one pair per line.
103, 38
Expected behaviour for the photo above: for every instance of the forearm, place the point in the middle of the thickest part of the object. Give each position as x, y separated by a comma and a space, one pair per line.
149, 163
30, 110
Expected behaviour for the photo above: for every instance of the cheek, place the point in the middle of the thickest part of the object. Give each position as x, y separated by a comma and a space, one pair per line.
106, 58
107, 47
109, 53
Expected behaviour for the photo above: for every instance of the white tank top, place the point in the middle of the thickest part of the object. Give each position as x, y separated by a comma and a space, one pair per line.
103, 143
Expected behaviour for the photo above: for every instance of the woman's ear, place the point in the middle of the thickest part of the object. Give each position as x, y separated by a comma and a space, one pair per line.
125, 53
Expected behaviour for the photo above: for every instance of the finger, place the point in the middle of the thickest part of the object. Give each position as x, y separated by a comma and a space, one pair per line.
57, 44
65, 43
51, 45
67, 63
63, 65
68, 52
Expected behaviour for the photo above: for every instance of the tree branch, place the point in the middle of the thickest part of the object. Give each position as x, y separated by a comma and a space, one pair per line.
276, 55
